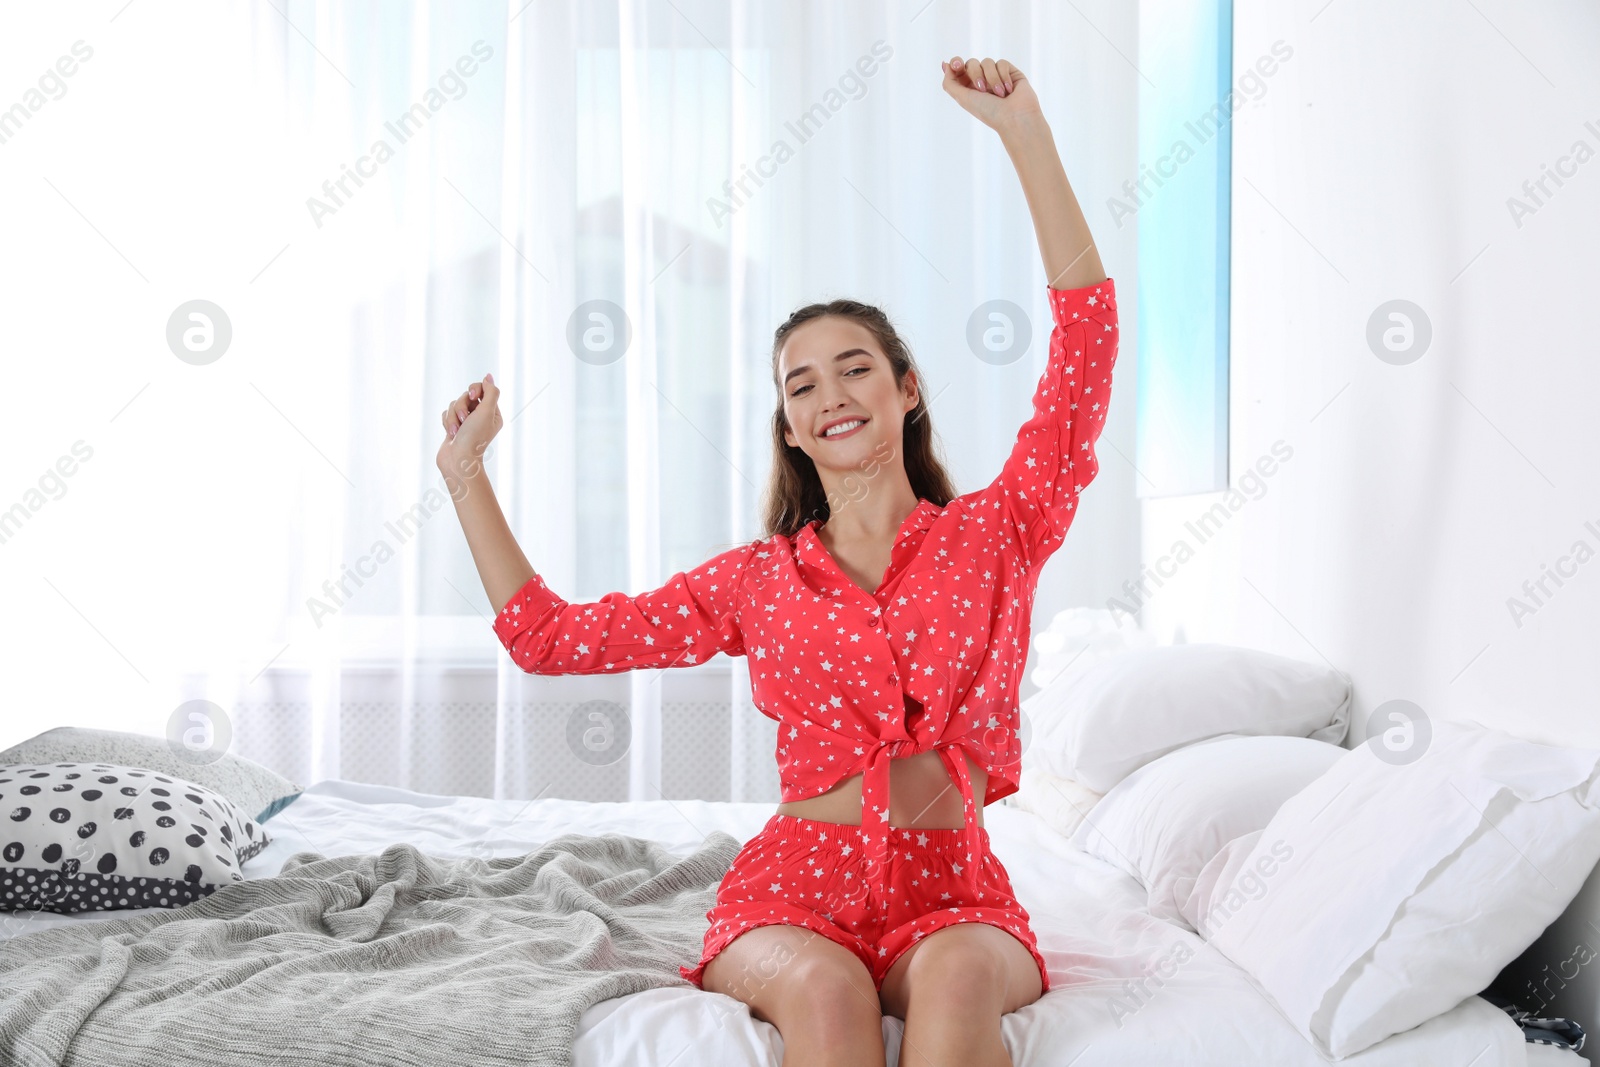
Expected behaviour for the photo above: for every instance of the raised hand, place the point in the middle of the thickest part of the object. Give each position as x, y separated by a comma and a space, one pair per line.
992, 90
470, 423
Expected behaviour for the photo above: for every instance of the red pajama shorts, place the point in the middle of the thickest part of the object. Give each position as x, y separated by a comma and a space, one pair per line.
805, 872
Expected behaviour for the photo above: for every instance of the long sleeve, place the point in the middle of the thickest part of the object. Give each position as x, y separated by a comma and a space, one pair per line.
688, 620
1054, 455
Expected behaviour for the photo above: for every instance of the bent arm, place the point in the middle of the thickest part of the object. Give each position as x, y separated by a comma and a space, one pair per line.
1070, 258
501, 564
688, 620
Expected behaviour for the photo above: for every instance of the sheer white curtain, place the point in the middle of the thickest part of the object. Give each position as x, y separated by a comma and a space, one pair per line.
611, 207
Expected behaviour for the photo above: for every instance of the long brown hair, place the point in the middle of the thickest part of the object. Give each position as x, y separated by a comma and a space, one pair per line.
794, 494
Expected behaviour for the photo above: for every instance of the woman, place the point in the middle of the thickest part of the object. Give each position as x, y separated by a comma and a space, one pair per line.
886, 622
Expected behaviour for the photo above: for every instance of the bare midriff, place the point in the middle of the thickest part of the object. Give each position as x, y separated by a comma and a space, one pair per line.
921, 794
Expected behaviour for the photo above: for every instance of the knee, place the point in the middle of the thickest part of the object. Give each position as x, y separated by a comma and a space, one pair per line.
835, 994
962, 971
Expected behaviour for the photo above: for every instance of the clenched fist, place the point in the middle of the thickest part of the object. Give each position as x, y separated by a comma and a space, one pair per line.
470, 423
992, 90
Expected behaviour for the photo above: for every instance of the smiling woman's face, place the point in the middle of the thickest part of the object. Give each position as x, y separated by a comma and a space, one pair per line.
833, 372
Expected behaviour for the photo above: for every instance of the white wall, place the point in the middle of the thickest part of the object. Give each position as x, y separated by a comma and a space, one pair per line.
1419, 498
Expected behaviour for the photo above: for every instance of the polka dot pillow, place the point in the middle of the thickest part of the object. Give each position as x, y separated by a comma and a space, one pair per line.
98, 836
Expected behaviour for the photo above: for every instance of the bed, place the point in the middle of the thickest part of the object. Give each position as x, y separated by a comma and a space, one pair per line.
1094, 929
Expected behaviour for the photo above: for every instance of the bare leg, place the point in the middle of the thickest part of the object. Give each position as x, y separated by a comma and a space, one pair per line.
817, 993
952, 987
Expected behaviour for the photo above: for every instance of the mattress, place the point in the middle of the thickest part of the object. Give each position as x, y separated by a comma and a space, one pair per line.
1127, 988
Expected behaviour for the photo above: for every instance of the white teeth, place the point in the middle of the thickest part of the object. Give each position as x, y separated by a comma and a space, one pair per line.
843, 427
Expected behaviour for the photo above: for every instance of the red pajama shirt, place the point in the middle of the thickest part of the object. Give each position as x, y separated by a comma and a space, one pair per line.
929, 661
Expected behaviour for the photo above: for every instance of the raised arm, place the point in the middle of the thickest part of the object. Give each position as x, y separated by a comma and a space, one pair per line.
1001, 97
691, 618
1053, 457
470, 423
1054, 454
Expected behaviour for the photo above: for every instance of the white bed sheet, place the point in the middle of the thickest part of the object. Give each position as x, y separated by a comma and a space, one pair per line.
1111, 1004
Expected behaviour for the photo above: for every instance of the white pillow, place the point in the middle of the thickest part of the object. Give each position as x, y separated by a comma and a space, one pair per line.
1101, 725
1382, 895
1165, 821
1060, 802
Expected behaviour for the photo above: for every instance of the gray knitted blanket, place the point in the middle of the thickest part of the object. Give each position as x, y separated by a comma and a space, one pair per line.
383, 960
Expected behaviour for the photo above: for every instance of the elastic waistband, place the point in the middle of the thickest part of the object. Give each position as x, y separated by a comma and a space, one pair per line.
819, 831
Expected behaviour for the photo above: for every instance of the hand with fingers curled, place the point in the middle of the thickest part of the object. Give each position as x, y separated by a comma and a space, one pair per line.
992, 90
470, 423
